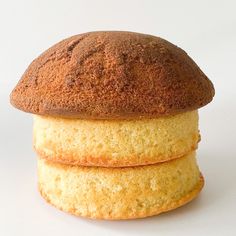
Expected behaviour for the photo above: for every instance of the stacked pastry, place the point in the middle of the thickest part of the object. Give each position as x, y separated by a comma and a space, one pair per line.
115, 124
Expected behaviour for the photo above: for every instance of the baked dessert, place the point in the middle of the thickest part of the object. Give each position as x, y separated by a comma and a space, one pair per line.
113, 77
120, 193
115, 123
115, 143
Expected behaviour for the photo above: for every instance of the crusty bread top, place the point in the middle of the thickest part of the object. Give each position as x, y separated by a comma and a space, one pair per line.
112, 75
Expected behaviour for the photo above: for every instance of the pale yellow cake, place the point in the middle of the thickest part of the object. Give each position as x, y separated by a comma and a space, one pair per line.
120, 193
115, 142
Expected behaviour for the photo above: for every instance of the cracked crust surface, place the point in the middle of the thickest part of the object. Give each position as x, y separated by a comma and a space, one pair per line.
120, 193
112, 75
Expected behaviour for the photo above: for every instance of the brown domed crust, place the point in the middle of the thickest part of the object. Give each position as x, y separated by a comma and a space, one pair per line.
109, 75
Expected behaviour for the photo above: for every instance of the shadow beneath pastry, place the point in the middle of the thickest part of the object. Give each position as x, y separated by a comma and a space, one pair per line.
216, 189
189, 208
194, 215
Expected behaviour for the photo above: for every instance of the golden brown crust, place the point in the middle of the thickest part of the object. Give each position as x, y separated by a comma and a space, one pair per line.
112, 75
173, 205
106, 161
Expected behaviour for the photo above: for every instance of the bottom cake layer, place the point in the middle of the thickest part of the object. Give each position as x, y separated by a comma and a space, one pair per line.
120, 193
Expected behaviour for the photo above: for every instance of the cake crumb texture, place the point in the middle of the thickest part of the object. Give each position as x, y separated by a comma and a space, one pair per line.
120, 193
115, 142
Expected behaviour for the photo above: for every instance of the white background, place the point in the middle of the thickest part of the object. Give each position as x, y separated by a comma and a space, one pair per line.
205, 29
